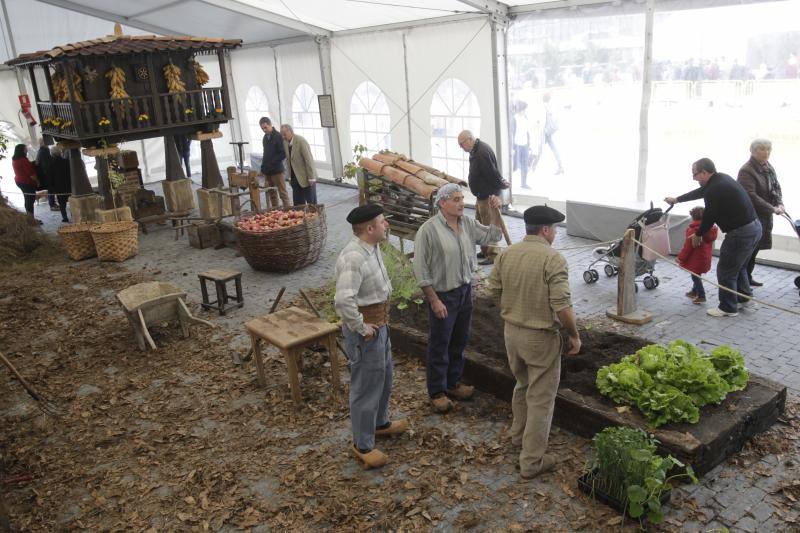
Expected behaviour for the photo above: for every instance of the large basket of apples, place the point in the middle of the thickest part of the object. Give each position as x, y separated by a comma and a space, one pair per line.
282, 240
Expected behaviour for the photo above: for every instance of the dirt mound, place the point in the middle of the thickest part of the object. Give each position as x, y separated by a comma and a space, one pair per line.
600, 348
19, 239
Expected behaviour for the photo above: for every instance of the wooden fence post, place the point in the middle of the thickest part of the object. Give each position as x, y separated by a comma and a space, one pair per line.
626, 310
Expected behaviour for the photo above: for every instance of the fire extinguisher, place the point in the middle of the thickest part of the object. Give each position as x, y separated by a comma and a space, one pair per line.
25, 105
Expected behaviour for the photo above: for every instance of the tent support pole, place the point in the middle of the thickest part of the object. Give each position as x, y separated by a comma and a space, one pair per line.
324, 45
647, 92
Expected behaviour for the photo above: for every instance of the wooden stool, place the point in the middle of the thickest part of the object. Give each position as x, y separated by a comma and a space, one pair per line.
291, 330
220, 279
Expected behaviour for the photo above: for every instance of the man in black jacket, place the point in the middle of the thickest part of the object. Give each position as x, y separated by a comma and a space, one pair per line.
272, 163
729, 207
485, 182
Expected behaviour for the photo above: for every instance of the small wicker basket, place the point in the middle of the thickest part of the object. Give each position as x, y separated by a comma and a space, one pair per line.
78, 240
116, 241
287, 249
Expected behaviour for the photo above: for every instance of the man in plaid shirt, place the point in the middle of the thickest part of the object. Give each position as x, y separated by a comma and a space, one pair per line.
362, 296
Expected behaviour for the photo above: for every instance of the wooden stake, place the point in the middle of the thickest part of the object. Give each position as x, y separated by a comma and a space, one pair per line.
626, 310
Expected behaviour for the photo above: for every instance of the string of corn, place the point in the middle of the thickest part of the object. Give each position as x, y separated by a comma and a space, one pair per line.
200, 75
60, 90
116, 77
172, 73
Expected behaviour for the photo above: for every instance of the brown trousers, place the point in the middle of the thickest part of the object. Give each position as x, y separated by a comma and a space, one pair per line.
486, 215
277, 180
535, 360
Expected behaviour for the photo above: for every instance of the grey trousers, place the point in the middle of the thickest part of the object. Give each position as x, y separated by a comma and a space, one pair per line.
370, 383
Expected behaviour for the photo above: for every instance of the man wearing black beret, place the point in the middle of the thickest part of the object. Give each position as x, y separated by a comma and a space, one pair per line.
530, 284
362, 302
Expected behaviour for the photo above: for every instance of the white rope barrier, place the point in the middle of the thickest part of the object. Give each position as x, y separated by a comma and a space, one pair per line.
738, 294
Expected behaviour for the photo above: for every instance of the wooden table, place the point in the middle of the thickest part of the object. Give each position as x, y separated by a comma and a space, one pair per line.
291, 330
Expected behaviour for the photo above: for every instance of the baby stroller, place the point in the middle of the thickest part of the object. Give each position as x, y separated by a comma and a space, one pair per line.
650, 228
796, 225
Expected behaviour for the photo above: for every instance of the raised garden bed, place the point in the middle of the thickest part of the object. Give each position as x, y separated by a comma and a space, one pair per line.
722, 431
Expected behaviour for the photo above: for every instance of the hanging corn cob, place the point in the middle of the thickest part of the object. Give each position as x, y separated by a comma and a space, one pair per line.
200, 75
116, 78
60, 90
61, 87
175, 85
77, 86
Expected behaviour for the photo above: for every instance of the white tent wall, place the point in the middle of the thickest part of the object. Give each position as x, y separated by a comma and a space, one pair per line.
430, 50
255, 67
298, 63
378, 57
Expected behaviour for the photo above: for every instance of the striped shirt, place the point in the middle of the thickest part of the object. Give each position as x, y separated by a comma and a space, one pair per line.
446, 260
361, 279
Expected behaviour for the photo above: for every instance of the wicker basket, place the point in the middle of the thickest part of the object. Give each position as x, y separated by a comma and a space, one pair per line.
286, 249
78, 241
116, 241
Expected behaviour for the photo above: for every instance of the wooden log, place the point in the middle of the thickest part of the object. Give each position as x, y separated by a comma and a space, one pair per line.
389, 159
440, 174
399, 177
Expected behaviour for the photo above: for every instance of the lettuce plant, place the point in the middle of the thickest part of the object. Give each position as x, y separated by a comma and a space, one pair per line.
671, 383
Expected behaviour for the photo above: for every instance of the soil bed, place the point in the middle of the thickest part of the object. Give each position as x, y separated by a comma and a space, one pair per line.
580, 408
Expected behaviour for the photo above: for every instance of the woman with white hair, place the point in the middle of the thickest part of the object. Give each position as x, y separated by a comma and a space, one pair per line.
758, 178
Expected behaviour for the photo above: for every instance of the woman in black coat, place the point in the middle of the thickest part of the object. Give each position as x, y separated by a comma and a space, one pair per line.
758, 178
60, 181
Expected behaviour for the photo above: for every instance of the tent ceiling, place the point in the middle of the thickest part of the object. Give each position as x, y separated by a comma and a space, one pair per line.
256, 21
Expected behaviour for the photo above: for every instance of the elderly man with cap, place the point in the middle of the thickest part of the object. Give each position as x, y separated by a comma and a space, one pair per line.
362, 302
530, 284
444, 264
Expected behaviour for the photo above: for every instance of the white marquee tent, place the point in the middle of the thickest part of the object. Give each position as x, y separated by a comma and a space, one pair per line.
635, 89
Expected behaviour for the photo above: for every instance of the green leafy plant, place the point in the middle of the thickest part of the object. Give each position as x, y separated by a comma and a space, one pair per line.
351, 168
404, 285
671, 383
627, 468
3, 146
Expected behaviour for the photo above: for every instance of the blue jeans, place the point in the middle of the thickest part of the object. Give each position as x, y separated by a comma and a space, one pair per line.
734, 254
697, 287
370, 383
447, 339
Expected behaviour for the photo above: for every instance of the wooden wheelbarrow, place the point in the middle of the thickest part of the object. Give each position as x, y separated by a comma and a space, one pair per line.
152, 303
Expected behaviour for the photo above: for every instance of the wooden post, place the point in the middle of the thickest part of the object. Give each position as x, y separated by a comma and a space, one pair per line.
173, 162
255, 196
80, 180
626, 310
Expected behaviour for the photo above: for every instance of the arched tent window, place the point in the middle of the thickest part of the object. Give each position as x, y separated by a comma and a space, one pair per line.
369, 118
305, 120
256, 106
454, 108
